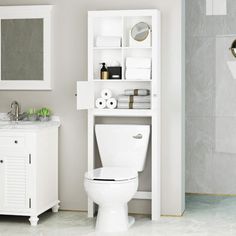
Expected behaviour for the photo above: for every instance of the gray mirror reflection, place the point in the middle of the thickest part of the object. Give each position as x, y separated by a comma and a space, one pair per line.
22, 49
140, 31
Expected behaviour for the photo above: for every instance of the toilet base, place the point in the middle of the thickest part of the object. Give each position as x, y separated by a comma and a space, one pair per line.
113, 218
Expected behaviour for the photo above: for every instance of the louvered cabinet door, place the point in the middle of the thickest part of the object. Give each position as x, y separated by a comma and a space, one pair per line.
14, 182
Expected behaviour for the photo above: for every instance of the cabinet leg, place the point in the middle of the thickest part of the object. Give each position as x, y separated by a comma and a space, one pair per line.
34, 220
55, 208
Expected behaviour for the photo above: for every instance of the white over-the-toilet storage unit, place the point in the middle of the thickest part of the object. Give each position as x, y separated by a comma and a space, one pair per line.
119, 23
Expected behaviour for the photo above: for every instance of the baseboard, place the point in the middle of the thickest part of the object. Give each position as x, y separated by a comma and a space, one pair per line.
73, 210
213, 194
173, 215
134, 214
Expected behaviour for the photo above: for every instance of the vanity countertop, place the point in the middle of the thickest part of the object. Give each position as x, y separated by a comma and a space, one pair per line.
6, 124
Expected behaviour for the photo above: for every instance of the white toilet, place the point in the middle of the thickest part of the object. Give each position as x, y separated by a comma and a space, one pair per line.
123, 150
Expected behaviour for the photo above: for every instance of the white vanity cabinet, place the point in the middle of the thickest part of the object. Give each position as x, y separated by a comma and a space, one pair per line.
28, 171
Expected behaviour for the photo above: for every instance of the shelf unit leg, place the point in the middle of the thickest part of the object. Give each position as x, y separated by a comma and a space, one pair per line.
34, 220
90, 208
91, 137
156, 167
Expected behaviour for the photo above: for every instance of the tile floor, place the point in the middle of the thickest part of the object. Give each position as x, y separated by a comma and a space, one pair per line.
204, 216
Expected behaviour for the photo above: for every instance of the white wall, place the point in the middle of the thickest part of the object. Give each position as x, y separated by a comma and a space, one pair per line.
70, 57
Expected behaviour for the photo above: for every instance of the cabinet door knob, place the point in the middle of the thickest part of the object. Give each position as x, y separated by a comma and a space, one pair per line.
1, 161
15, 141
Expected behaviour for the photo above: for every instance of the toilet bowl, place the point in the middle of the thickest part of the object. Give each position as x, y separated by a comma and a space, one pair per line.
112, 188
122, 150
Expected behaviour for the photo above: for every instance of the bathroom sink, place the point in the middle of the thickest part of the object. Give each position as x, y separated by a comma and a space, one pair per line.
6, 124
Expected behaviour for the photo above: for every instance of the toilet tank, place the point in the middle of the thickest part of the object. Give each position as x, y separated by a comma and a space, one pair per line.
123, 145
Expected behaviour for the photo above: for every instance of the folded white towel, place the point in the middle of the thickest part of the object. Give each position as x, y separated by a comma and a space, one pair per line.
137, 92
134, 99
138, 74
133, 105
108, 41
138, 62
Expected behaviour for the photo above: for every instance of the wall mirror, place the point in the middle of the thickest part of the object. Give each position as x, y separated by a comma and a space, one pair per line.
25, 47
140, 31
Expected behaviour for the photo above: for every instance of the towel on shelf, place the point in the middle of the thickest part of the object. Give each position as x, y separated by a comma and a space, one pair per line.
137, 92
138, 74
108, 41
130, 105
134, 99
138, 62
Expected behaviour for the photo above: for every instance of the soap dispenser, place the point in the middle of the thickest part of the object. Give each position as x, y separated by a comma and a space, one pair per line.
104, 72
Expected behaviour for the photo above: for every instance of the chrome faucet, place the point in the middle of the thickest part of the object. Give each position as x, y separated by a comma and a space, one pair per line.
15, 111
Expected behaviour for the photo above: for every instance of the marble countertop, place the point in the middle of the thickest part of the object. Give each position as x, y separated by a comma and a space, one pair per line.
6, 124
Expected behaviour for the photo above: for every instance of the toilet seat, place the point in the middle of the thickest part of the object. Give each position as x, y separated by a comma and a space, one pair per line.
111, 188
111, 174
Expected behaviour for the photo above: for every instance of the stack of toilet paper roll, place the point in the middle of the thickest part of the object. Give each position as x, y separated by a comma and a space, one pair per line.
106, 100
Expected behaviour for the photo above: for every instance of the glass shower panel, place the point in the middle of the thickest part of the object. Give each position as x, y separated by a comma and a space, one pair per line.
225, 96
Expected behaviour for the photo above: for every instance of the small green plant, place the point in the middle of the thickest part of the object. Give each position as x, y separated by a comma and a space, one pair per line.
44, 112
31, 112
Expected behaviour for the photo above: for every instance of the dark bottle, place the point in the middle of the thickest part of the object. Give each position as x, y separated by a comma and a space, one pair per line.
104, 72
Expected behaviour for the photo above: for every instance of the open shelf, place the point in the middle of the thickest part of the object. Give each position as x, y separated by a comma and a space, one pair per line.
123, 112
129, 22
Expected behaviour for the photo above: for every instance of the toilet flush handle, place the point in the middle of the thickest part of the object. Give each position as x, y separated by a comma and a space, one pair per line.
138, 136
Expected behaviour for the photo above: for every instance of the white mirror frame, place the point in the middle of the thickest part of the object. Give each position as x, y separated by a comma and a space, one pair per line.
31, 12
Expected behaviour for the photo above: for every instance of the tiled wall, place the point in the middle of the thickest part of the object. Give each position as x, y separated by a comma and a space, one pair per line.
210, 101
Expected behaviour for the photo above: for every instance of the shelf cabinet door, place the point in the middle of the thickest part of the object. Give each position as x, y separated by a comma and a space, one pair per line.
14, 182
85, 95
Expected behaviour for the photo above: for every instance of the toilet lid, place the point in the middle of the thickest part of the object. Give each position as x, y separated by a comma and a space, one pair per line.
111, 174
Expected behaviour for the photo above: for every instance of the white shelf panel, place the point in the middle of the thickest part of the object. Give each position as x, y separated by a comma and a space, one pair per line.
119, 81
143, 195
107, 48
123, 112
126, 48
119, 48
